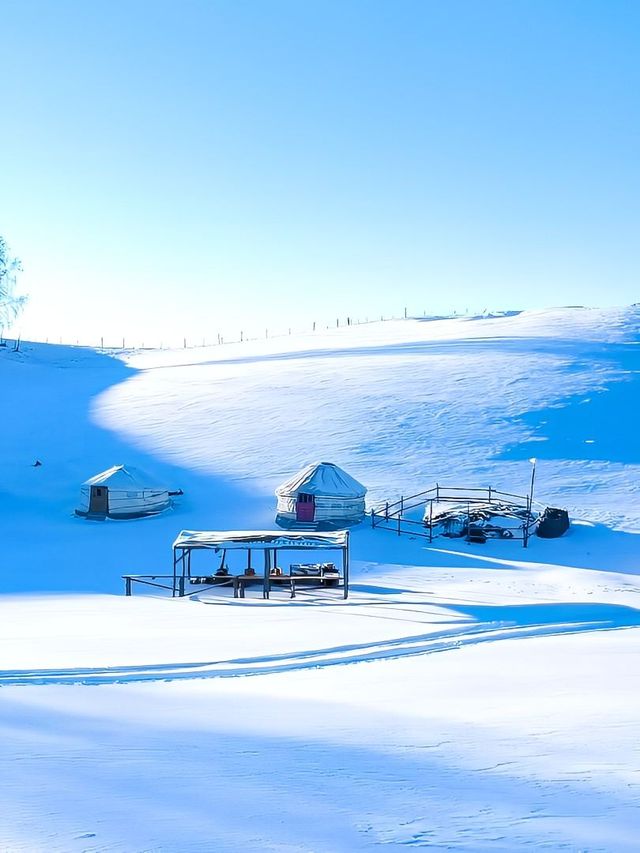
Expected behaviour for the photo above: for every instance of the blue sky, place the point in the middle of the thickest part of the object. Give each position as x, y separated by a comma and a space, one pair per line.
173, 169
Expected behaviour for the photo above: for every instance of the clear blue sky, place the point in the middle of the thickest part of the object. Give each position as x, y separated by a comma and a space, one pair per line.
179, 168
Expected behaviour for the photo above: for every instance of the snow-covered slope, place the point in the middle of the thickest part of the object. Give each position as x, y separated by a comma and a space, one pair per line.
404, 404
351, 732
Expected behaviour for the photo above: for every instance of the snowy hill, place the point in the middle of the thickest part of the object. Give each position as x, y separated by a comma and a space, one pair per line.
521, 732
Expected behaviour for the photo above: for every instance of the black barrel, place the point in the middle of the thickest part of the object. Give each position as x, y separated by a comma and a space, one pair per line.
553, 523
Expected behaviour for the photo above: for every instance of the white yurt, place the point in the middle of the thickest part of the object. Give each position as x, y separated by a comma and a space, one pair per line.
321, 496
122, 492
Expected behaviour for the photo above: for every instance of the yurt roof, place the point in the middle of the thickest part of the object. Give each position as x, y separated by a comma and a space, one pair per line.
126, 478
323, 478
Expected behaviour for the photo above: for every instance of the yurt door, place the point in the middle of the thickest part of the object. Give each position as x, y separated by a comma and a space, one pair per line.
305, 507
99, 500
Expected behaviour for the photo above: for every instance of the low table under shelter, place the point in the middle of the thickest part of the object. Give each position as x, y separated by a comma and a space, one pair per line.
269, 543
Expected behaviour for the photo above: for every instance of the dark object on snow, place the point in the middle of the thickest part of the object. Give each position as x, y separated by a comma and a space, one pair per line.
210, 580
476, 534
37, 464
553, 523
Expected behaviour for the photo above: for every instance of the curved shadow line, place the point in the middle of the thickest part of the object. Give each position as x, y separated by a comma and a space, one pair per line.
292, 662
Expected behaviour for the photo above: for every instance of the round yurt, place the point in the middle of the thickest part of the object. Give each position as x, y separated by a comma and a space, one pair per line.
320, 497
122, 492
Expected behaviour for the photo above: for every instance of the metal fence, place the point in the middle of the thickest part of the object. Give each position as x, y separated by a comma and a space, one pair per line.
516, 508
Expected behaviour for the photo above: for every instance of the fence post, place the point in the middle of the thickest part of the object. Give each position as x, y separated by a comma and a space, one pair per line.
401, 506
431, 520
386, 511
127, 586
373, 518
399, 526
525, 528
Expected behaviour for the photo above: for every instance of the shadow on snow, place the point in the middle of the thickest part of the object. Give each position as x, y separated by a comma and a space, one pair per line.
51, 390
471, 624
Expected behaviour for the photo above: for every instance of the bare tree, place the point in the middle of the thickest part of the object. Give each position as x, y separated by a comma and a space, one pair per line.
10, 304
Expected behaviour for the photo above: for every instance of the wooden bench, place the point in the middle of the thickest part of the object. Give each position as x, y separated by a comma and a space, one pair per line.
326, 579
240, 582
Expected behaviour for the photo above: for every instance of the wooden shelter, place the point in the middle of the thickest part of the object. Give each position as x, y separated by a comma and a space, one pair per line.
266, 544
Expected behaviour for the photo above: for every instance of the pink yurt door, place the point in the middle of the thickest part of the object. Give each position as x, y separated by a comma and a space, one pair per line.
305, 508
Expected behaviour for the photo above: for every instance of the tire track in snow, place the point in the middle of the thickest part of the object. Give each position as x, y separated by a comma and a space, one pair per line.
412, 646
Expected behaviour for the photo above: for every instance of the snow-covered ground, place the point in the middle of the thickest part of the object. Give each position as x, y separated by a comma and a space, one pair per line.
150, 724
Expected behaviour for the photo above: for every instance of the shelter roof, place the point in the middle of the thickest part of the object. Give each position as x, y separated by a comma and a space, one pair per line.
260, 539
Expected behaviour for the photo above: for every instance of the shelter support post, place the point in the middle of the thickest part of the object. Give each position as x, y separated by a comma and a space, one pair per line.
127, 586
345, 571
267, 569
175, 572
181, 568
